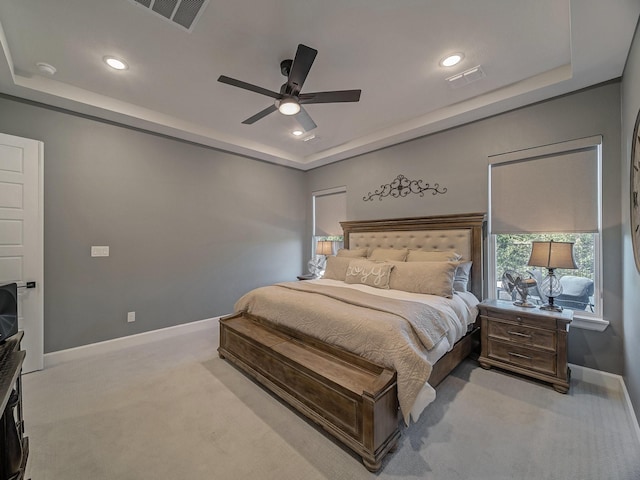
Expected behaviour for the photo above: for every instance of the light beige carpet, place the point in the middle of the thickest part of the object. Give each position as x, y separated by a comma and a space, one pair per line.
173, 410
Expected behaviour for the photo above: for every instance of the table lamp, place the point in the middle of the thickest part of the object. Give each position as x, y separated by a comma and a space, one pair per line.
552, 255
324, 247
317, 265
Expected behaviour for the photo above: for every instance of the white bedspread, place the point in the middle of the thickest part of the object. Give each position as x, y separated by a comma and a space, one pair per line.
412, 361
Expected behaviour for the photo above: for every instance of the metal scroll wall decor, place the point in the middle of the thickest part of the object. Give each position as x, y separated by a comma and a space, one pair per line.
401, 186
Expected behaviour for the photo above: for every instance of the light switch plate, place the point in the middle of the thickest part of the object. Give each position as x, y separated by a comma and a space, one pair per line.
99, 251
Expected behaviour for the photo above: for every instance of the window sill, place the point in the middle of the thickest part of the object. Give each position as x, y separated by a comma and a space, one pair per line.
590, 323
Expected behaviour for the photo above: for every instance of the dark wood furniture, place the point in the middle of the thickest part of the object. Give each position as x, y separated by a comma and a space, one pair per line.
348, 396
351, 398
306, 277
14, 446
528, 341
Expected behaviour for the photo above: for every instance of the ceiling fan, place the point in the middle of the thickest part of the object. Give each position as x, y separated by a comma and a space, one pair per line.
289, 101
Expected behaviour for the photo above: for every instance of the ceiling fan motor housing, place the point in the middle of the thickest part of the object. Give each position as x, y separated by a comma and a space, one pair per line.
285, 67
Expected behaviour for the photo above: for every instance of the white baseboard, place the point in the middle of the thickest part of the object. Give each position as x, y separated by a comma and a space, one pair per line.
84, 351
609, 381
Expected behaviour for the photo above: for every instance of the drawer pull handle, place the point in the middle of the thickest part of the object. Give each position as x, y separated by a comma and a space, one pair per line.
519, 355
518, 334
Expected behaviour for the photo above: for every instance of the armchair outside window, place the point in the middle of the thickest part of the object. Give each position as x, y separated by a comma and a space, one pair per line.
577, 292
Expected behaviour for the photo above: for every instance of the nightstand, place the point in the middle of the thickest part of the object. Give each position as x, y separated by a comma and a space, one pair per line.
307, 276
528, 341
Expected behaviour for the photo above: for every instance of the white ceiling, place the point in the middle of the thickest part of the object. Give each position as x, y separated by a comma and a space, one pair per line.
530, 50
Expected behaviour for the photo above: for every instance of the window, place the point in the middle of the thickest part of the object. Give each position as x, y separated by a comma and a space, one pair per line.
512, 253
329, 209
548, 193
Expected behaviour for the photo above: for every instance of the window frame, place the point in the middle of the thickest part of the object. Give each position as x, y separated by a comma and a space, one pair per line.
586, 320
315, 238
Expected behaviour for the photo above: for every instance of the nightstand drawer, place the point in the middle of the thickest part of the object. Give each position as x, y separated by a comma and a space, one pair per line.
523, 319
541, 361
528, 341
533, 337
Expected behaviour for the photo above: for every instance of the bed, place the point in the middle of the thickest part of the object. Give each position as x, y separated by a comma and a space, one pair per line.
358, 357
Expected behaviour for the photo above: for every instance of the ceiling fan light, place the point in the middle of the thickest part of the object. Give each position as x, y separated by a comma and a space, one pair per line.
289, 106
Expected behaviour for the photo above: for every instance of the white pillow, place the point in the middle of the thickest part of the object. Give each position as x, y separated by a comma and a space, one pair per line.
336, 268
356, 252
370, 273
434, 278
434, 256
385, 254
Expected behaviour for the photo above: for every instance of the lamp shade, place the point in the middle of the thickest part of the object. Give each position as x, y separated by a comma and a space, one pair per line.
324, 247
552, 255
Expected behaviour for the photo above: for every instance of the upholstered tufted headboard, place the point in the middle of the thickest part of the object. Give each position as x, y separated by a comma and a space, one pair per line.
461, 233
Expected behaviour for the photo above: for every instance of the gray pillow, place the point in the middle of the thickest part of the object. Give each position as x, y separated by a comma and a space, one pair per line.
354, 253
461, 277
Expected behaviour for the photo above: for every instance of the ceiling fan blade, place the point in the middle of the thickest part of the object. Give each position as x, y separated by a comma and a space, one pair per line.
261, 114
305, 121
248, 86
330, 97
300, 68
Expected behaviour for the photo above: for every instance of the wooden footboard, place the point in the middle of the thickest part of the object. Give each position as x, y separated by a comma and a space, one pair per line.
351, 398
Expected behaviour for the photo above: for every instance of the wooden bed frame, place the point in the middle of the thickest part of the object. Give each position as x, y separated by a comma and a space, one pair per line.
350, 397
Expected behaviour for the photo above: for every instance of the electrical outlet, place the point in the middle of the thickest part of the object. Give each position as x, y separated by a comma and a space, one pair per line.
99, 251
131, 317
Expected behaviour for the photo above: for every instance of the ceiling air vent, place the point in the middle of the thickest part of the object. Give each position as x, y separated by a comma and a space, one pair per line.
182, 13
466, 77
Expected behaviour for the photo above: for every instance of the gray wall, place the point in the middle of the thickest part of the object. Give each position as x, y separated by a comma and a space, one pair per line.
190, 228
630, 107
457, 160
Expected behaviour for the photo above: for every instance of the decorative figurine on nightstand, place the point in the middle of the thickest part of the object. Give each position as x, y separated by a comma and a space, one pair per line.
513, 281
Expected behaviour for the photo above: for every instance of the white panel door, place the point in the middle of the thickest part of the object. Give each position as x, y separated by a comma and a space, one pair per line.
21, 237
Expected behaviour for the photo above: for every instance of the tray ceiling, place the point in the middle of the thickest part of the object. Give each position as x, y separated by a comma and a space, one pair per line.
528, 51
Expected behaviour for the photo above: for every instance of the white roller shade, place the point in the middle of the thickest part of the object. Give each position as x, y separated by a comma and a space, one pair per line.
546, 191
330, 210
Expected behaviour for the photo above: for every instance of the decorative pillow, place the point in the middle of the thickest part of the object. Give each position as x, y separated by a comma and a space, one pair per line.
434, 278
369, 273
461, 277
355, 253
443, 256
385, 254
336, 268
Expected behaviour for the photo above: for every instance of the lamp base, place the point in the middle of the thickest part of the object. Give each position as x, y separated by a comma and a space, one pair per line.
524, 304
550, 307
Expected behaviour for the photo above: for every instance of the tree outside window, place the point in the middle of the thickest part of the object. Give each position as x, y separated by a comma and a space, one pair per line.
513, 251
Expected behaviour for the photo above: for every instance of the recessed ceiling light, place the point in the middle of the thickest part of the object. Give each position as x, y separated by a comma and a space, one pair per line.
115, 63
46, 68
451, 60
297, 133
